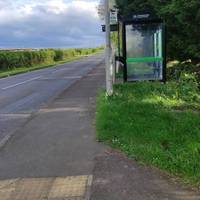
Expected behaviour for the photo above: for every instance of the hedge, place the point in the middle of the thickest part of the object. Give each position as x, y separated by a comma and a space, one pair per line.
14, 59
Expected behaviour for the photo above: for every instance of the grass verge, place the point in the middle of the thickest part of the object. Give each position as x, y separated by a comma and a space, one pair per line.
21, 70
156, 124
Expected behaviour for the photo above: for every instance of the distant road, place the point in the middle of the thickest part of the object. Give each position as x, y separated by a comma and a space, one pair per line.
24, 94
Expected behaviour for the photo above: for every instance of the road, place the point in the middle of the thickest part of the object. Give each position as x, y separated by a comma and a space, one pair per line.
22, 95
54, 153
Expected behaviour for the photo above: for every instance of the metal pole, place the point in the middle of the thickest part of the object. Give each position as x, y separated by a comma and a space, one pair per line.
108, 57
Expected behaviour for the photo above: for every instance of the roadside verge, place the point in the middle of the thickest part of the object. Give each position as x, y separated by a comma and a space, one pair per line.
156, 124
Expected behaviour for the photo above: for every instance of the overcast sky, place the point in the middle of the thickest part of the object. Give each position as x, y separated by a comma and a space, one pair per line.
49, 23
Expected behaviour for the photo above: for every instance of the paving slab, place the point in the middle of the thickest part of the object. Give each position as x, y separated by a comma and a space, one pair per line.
59, 188
116, 177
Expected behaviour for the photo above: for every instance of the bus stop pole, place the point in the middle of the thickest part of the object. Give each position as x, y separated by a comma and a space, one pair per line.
108, 56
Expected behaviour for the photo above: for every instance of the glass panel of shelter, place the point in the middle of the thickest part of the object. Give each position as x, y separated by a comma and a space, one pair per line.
144, 54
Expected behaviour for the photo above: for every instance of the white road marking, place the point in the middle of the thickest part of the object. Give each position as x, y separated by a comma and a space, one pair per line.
13, 116
73, 77
4, 141
58, 70
64, 69
21, 83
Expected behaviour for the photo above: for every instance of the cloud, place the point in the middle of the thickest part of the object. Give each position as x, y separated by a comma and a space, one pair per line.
49, 23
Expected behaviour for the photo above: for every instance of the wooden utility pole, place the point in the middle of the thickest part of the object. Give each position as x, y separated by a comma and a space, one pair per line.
108, 56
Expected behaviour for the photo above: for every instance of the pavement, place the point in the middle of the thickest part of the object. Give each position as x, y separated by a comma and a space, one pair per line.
115, 177
54, 154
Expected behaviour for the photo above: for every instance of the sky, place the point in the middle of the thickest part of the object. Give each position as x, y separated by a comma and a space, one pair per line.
50, 24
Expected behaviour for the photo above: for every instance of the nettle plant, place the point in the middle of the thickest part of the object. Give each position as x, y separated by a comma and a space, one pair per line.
187, 87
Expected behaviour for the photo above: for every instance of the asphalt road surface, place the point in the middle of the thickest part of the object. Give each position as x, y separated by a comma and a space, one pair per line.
22, 95
54, 153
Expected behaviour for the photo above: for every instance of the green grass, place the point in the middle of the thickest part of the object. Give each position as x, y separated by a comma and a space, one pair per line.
20, 70
156, 124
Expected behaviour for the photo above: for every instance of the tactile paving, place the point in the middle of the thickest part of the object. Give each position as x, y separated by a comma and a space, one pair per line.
59, 188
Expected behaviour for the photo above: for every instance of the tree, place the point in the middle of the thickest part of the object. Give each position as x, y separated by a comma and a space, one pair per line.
183, 20
183, 24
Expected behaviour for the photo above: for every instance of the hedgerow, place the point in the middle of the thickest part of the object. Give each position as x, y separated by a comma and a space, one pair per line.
15, 59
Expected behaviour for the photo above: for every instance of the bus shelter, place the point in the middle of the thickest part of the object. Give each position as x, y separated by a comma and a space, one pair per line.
142, 47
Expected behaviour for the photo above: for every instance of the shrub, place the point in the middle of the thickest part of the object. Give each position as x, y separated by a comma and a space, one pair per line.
176, 71
187, 87
59, 55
